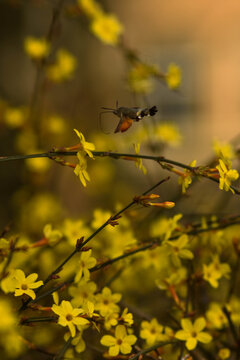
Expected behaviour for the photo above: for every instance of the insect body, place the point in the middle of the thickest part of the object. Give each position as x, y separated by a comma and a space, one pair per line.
128, 115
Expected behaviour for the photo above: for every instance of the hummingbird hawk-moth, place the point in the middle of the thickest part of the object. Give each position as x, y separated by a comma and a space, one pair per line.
128, 115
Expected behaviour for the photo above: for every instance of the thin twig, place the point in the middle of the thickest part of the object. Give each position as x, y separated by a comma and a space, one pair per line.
231, 326
152, 348
159, 159
78, 248
40, 76
148, 246
61, 353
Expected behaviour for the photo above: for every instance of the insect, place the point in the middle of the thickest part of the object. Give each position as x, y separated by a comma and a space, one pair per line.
128, 115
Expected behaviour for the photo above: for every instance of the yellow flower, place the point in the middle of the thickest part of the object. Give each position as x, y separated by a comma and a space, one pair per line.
8, 283
78, 343
139, 162
83, 292
164, 227
88, 308
214, 271
111, 320
81, 168
90, 7
120, 343
24, 285
175, 278
86, 262
227, 175
173, 76
223, 150
41, 208
178, 249
99, 217
36, 48
168, 134
74, 229
127, 317
234, 308
68, 316
140, 78
106, 302
215, 316
152, 332
63, 68
53, 236
224, 354
56, 124
107, 28
15, 116
26, 140
192, 333
8, 317
211, 275
85, 146
39, 165
186, 179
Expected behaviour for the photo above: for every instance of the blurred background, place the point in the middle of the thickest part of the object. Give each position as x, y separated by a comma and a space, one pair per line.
202, 38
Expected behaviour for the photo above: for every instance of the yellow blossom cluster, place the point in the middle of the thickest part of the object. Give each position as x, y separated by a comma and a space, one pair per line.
106, 27
36, 48
63, 68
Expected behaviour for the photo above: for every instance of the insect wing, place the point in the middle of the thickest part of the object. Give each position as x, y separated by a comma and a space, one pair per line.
124, 124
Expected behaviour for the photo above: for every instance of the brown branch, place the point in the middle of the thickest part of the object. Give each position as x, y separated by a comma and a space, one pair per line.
83, 243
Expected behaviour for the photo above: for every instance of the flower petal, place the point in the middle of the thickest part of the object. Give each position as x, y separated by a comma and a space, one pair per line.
57, 309
30, 293
187, 325
182, 335
80, 321
67, 306
204, 337
108, 340
19, 275
130, 339
125, 348
72, 329
120, 332
76, 312
191, 343
114, 350
85, 255
199, 324
36, 284
31, 278
18, 292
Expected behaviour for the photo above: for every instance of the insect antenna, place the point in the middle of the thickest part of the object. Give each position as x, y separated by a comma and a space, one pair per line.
100, 120
105, 108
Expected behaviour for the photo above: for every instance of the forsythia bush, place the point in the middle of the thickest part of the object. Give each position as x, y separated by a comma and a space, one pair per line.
115, 285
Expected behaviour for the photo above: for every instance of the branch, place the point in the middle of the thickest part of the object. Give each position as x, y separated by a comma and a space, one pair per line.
152, 348
124, 156
79, 247
149, 245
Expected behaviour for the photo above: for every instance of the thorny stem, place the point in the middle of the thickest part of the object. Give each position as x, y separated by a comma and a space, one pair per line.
149, 245
159, 159
77, 249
